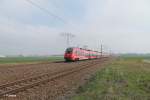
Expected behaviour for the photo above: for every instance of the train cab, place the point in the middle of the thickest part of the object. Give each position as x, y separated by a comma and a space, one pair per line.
69, 54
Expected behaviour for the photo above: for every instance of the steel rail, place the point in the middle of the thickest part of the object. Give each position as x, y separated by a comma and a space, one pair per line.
27, 83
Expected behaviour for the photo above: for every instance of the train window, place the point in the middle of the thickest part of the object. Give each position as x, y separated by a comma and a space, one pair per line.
76, 52
69, 50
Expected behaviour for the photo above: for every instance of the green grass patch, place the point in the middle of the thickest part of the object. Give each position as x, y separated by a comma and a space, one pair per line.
123, 79
15, 60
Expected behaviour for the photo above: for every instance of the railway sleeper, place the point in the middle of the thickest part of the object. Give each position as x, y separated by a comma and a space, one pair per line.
35, 81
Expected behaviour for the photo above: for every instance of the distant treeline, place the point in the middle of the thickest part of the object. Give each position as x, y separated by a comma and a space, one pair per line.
135, 55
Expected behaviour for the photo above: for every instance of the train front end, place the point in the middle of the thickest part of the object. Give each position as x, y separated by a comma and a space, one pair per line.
69, 56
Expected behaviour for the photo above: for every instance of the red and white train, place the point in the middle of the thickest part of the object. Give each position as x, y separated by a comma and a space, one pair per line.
75, 54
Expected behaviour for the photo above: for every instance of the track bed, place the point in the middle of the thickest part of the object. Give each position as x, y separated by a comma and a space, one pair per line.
10, 73
58, 80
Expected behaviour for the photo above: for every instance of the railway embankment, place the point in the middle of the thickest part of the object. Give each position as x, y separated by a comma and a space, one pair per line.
60, 86
126, 78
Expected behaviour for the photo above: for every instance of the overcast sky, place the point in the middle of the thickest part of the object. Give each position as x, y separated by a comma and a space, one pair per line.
122, 26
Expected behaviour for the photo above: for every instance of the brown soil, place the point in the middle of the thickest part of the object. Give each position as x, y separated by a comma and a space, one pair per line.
10, 73
60, 89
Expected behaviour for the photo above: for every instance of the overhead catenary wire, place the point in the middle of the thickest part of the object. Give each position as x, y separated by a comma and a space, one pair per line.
51, 14
68, 35
47, 11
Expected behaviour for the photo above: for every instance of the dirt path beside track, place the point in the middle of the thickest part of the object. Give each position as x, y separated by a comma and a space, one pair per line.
63, 88
10, 73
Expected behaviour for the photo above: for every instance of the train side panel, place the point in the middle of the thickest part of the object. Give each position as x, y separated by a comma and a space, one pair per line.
73, 54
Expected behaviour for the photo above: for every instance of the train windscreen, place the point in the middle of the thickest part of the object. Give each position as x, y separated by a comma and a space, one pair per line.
69, 50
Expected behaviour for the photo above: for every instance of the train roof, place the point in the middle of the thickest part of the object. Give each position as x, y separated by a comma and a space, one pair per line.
84, 49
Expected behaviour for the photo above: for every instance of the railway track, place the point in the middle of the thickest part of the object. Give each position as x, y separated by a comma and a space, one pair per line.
27, 83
